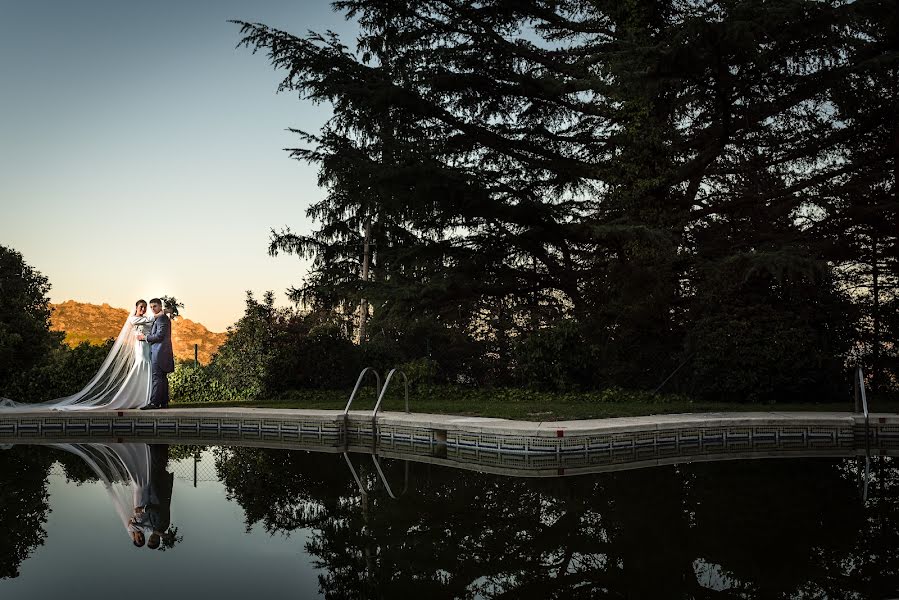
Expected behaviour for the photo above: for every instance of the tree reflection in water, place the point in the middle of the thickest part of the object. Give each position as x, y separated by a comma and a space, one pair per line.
23, 506
741, 529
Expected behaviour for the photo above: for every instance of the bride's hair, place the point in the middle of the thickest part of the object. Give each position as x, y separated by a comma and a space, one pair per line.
139, 302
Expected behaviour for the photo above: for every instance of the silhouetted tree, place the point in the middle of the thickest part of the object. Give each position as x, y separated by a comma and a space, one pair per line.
25, 337
618, 166
24, 505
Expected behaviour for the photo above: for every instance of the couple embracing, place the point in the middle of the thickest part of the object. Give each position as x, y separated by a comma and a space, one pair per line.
154, 346
133, 375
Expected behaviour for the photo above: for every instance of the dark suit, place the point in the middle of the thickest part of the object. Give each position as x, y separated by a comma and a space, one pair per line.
162, 360
157, 506
159, 511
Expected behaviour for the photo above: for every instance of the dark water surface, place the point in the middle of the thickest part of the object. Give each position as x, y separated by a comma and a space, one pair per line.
273, 523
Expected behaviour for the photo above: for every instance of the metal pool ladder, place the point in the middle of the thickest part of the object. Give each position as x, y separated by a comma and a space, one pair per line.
359, 382
379, 390
861, 405
861, 399
374, 414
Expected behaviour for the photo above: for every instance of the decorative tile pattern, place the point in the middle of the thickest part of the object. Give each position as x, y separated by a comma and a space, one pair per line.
473, 443
171, 425
400, 437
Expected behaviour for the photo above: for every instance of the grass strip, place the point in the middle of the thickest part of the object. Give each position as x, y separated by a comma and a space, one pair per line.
529, 405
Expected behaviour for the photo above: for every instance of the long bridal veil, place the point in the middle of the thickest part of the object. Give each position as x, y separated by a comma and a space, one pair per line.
114, 385
123, 470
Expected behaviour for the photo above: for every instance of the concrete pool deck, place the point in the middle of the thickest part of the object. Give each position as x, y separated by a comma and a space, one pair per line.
494, 433
468, 424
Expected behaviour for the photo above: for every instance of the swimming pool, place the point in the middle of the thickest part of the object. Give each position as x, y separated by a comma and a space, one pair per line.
261, 521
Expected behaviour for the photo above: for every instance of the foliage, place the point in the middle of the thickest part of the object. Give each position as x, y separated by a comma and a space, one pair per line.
196, 383
775, 329
862, 207
171, 305
802, 527
556, 357
34, 363
268, 351
420, 372
181, 452
580, 193
244, 363
313, 354
25, 336
64, 372
759, 355
24, 505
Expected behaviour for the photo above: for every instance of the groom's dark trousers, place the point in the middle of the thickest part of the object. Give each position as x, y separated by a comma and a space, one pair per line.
159, 387
162, 359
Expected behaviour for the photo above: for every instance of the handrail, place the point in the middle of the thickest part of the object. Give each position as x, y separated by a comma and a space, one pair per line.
383, 478
378, 389
355, 475
867, 478
861, 404
860, 387
374, 413
381, 475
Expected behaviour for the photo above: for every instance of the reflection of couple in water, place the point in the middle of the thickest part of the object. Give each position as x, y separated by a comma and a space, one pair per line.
153, 502
136, 477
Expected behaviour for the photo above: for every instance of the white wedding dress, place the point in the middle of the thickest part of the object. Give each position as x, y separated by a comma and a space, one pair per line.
122, 382
124, 471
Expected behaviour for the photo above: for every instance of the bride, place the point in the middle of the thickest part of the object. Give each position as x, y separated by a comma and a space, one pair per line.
123, 380
127, 471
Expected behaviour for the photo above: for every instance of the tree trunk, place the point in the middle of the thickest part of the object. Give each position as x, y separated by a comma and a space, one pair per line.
366, 261
875, 291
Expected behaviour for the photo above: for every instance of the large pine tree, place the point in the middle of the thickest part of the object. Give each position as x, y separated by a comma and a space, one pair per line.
653, 171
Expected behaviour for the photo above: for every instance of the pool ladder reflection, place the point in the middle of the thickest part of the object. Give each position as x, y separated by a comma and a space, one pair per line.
861, 399
381, 476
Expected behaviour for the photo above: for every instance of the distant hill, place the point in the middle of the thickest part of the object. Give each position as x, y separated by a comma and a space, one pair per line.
97, 323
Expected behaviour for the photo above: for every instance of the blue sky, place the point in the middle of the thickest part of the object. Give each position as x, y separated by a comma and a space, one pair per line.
141, 153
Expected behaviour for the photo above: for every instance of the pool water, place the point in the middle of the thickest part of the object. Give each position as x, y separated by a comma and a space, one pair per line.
255, 522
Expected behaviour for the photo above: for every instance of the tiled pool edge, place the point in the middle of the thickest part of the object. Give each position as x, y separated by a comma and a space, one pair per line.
749, 431
489, 445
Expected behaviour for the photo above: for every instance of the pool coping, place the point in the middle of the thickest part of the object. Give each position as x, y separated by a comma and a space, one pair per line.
526, 448
472, 423
361, 422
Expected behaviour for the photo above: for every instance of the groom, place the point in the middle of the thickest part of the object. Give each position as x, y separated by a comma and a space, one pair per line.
158, 512
162, 360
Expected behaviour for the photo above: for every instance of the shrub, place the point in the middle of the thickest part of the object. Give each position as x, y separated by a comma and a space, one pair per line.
420, 372
192, 383
64, 371
556, 357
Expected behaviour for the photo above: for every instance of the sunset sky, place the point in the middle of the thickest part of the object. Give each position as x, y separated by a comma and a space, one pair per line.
141, 153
